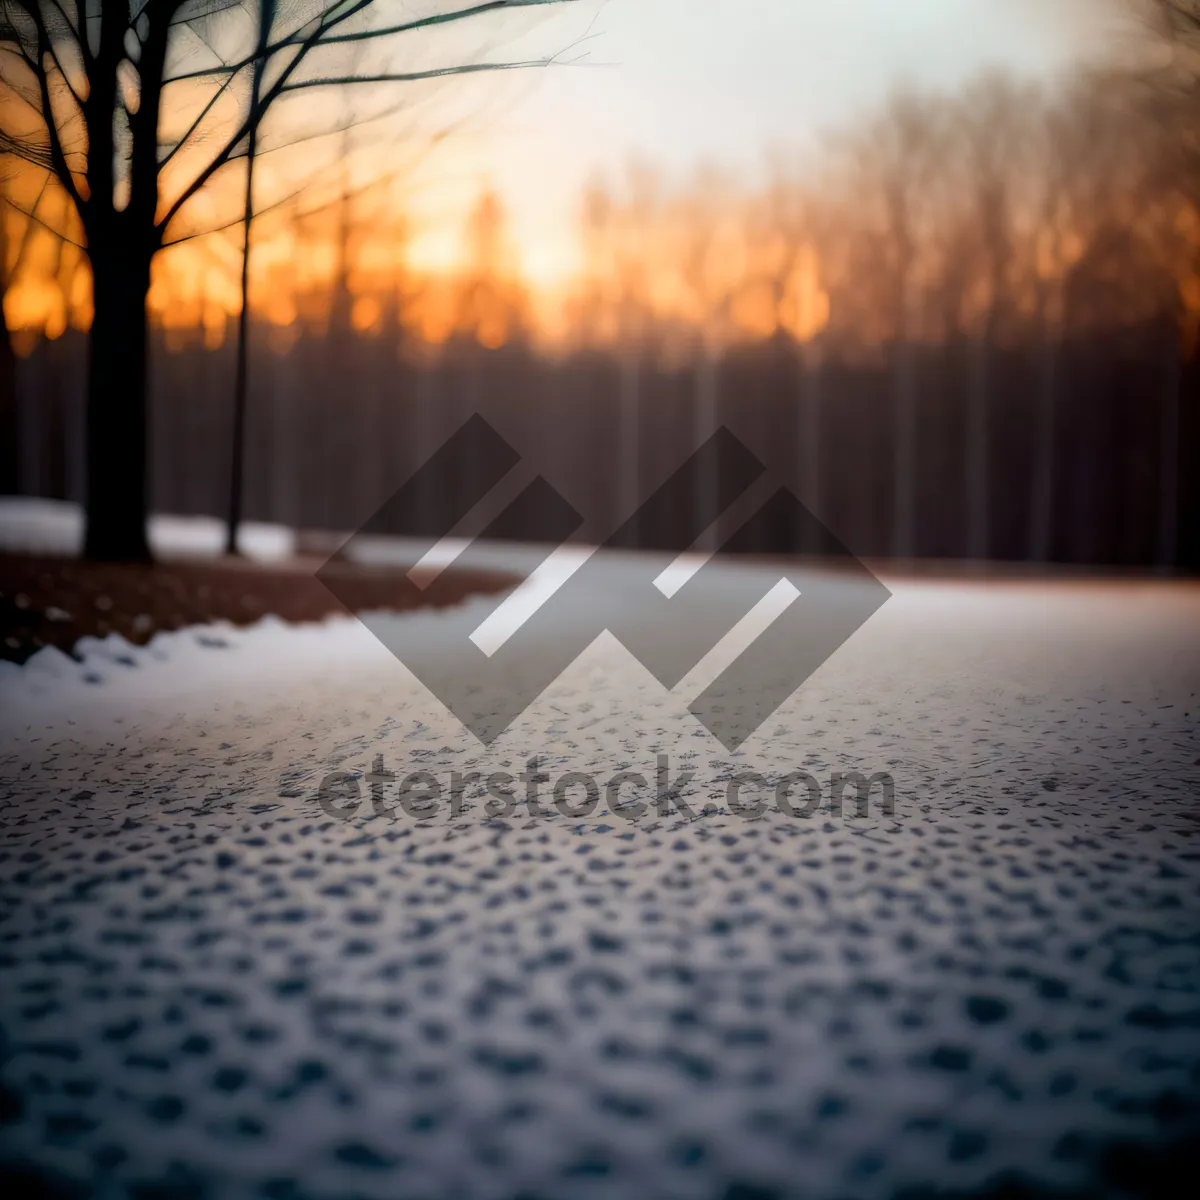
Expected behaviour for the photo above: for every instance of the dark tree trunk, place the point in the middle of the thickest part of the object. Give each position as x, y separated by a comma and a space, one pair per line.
1042, 503
904, 454
10, 474
978, 497
237, 466
9, 428
1168, 455
811, 367
116, 407
241, 383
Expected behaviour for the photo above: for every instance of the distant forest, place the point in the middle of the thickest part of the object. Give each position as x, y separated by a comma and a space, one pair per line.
966, 327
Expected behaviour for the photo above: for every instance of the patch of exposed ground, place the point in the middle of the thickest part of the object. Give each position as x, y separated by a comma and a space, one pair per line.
48, 600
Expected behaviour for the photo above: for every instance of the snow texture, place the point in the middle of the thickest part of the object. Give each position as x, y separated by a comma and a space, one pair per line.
213, 988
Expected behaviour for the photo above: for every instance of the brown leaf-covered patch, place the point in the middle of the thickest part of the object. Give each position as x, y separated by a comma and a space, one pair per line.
54, 601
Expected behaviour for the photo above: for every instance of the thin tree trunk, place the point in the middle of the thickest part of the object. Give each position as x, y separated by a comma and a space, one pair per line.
339, 368
1168, 459
116, 407
241, 370
705, 419
978, 483
1042, 504
429, 435
628, 448
810, 376
10, 401
9, 428
904, 462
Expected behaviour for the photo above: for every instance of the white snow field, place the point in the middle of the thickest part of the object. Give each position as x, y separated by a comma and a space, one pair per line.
213, 988
39, 526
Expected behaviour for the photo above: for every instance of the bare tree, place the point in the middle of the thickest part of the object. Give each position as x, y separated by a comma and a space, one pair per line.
267, 11
1049, 261
896, 160
993, 125
136, 107
490, 302
708, 246
1175, 26
617, 237
788, 223
1174, 101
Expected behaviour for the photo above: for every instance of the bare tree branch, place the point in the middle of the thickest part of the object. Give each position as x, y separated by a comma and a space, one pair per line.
431, 143
417, 76
57, 158
31, 214
314, 39
195, 125
294, 38
33, 11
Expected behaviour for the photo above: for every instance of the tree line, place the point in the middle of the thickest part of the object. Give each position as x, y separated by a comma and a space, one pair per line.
1008, 264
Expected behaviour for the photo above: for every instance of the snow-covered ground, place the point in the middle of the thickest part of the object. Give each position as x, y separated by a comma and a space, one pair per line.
209, 980
42, 526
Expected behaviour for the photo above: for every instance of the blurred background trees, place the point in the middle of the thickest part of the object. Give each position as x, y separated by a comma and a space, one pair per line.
968, 320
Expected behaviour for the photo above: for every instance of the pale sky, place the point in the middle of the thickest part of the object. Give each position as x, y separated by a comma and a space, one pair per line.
680, 82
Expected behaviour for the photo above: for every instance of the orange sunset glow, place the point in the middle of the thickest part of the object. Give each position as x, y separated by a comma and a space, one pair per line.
363, 250
477, 210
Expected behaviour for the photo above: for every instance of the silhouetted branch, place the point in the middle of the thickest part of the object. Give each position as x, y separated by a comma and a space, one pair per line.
365, 35
416, 76
281, 84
